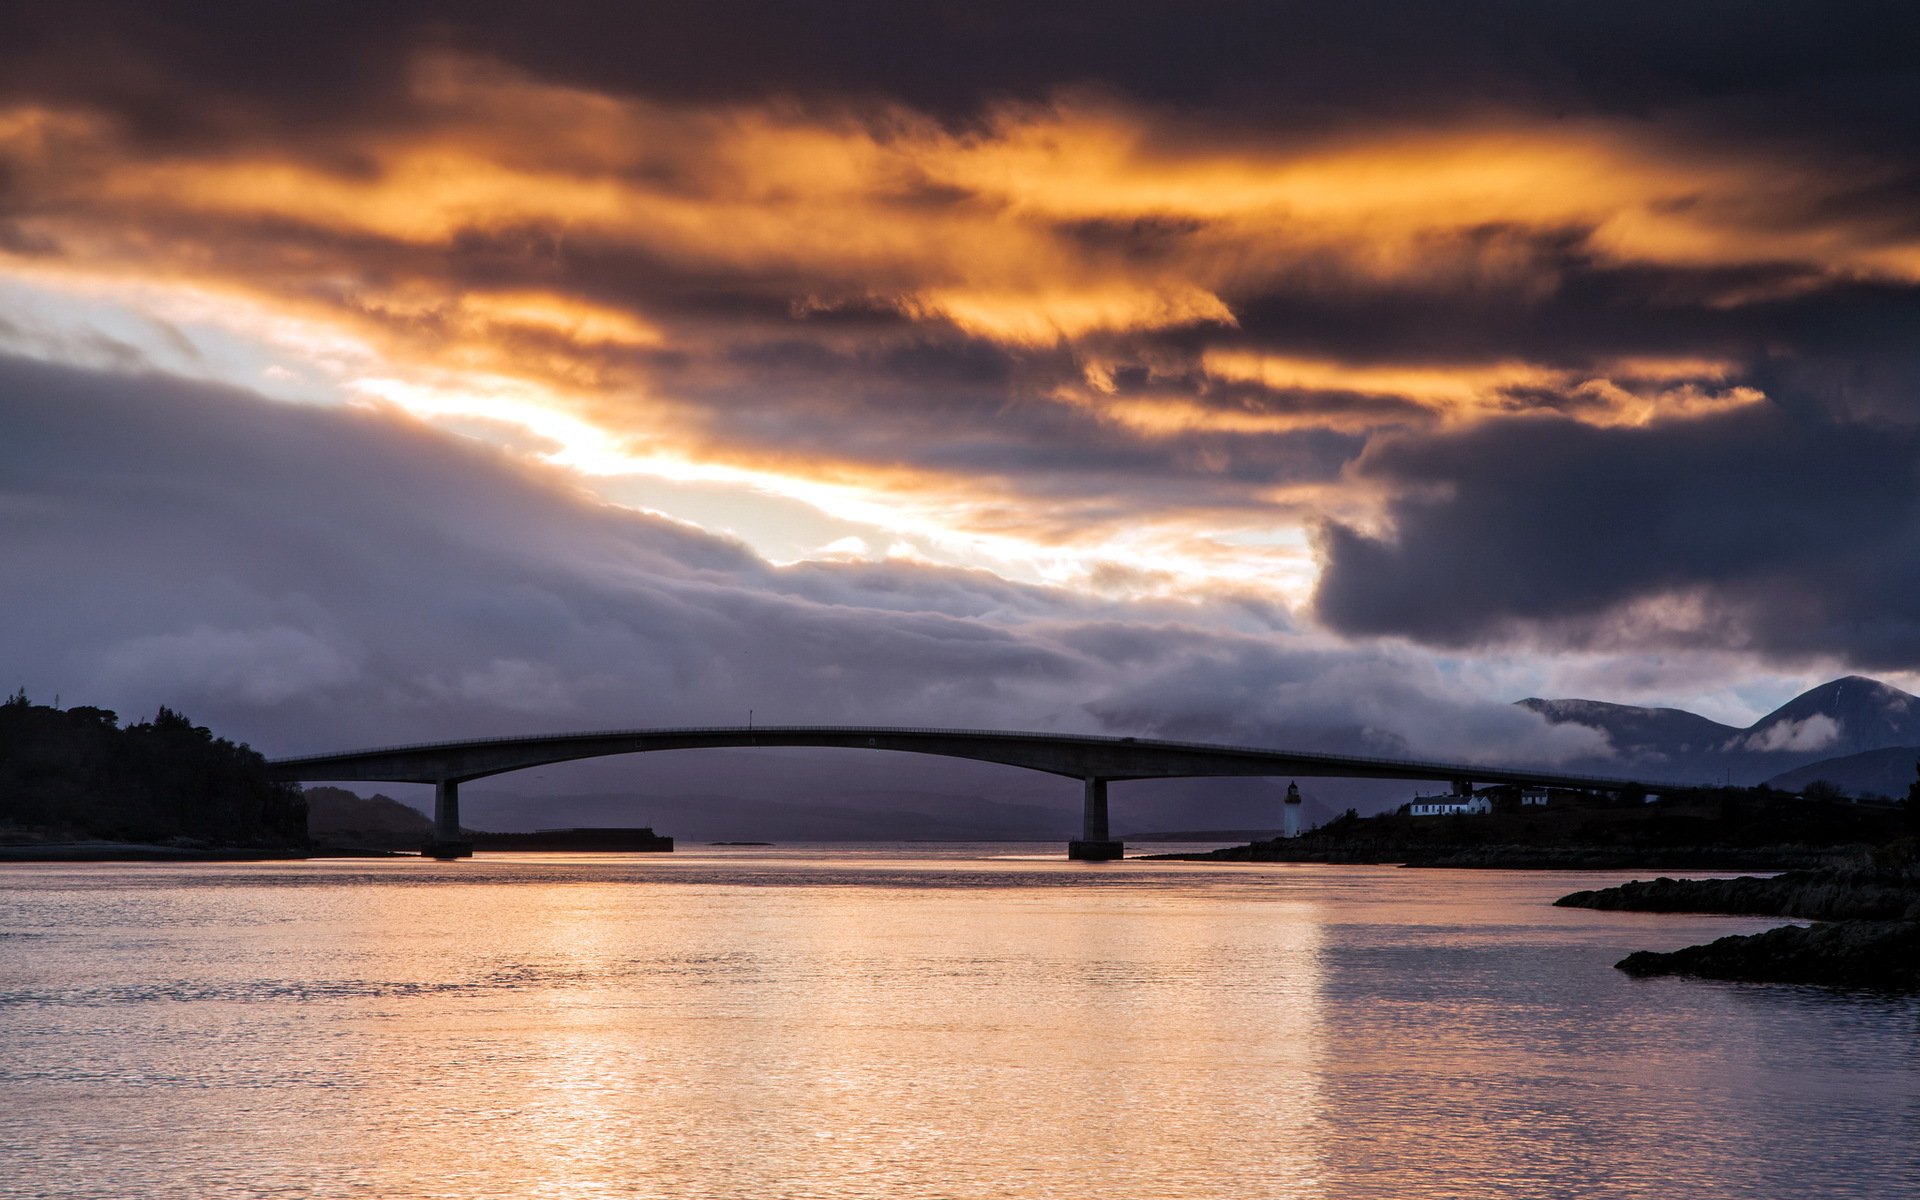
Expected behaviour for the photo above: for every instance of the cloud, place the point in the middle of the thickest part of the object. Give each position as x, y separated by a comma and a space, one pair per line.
1610, 354
514, 685
227, 63
267, 667
1362, 701
1816, 732
1756, 530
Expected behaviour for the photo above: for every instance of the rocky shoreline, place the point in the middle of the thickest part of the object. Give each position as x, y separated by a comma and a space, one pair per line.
1825, 895
1869, 936
1848, 954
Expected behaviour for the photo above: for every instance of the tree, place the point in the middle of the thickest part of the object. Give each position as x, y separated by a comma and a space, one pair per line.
76, 774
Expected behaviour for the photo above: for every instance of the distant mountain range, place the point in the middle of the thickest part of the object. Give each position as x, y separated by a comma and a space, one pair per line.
1039, 810
1854, 732
1888, 772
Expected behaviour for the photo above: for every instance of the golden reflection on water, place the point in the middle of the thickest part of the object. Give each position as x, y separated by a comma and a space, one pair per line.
907, 1025
853, 1041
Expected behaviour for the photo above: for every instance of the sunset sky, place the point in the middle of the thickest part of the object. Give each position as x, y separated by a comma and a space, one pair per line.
1323, 375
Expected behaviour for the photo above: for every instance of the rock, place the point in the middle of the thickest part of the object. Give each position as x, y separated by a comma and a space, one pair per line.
1863, 954
1828, 895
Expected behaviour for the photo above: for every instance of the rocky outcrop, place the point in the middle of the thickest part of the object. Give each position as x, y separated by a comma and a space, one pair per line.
1871, 937
1859, 954
1829, 895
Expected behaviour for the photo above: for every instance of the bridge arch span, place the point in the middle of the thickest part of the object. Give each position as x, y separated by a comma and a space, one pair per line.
1095, 760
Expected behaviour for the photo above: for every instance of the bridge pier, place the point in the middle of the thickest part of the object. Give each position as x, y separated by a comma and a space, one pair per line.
447, 841
1095, 844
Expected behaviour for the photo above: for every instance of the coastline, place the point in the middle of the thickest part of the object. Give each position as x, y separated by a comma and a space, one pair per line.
1867, 935
1533, 858
104, 852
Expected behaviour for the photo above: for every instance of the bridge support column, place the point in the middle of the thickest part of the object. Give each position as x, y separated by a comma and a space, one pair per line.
447, 841
1095, 844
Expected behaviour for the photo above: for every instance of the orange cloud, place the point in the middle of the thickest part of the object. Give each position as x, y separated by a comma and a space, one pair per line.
971, 226
1623, 392
974, 227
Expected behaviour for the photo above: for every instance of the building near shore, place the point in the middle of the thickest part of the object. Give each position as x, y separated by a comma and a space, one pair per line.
1449, 806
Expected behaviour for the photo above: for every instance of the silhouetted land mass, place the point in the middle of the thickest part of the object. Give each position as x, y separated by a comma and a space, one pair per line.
1705, 829
1847, 954
1870, 913
613, 839
1882, 772
1816, 735
1838, 894
1869, 936
75, 776
338, 819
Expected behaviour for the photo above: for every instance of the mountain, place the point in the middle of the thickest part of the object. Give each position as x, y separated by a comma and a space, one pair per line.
1884, 772
1847, 716
1645, 734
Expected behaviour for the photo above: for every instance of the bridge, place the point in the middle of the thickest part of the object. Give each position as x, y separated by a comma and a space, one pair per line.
1094, 760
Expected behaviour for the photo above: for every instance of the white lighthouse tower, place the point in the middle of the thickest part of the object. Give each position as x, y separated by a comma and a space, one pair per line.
1291, 825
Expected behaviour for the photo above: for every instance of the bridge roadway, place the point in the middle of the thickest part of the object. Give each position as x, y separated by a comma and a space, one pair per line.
1096, 761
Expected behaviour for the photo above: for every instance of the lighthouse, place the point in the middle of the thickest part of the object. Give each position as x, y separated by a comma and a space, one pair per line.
1291, 826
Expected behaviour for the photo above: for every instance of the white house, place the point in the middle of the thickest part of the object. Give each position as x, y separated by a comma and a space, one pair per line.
1532, 797
1447, 806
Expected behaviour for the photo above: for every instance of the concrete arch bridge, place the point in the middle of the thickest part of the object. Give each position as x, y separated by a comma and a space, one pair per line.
1095, 760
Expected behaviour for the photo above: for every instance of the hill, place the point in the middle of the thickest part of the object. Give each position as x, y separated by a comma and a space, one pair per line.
337, 817
1885, 772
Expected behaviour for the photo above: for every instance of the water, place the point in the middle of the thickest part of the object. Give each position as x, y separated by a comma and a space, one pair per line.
909, 1022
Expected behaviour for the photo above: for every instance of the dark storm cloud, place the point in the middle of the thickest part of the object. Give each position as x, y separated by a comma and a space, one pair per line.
1788, 535
1593, 312
969, 407
1297, 63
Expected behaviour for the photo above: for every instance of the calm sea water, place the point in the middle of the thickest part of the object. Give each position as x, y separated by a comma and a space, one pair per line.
909, 1022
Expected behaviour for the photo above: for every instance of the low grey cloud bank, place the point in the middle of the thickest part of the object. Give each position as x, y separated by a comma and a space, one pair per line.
312, 578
